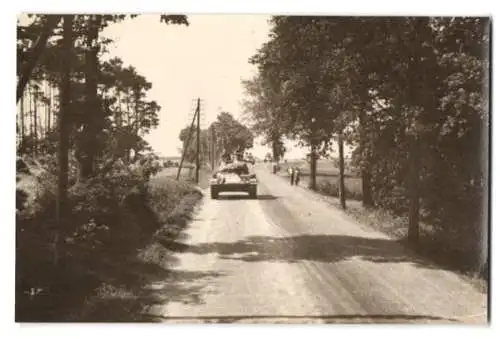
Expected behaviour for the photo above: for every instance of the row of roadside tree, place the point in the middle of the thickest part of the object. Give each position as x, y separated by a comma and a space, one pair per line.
411, 94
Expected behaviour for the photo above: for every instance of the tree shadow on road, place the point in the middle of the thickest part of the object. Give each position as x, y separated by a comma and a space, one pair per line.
246, 197
135, 287
308, 319
321, 248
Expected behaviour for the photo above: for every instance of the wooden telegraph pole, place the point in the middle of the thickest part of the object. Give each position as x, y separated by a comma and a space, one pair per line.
198, 142
214, 160
186, 145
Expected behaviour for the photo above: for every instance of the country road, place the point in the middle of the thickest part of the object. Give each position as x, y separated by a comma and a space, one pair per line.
289, 257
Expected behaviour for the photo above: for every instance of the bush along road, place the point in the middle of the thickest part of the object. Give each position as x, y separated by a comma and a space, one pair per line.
112, 222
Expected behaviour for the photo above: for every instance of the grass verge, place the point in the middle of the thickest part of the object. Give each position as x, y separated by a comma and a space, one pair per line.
188, 175
105, 282
127, 289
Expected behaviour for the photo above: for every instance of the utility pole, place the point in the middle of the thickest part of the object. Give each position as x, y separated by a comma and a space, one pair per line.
198, 142
210, 153
186, 145
213, 149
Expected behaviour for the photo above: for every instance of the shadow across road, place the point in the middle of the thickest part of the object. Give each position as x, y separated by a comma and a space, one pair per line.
319, 248
246, 197
142, 287
328, 319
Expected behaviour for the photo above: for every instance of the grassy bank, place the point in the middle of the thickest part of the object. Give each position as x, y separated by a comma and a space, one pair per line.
128, 289
188, 174
102, 266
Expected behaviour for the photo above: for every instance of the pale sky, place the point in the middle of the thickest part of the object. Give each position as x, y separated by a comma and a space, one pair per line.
207, 59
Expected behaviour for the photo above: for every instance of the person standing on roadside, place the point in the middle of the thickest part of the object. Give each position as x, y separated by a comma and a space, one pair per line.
296, 172
291, 172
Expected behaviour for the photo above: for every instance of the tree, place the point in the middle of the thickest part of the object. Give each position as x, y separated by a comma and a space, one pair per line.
22, 113
64, 129
94, 120
88, 146
70, 61
418, 135
130, 116
301, 60
190, 155
43, 63
262, 110
25, 70
417, 114
231, 135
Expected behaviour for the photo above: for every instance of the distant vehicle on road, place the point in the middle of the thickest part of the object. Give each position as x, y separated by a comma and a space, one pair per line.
233, 177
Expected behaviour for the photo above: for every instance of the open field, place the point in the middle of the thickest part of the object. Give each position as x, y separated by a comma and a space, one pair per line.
324, 166
327, 178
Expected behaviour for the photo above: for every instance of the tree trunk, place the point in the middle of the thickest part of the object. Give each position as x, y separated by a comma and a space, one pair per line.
21, 143
46, 110
366, 178
27, 69
136, 109
118, 114
30, 102
365, 163
129, 124
35, 123
89, 147
341, 170
127, 106
414, 179
274, 145
49, 111
45, 114
312, 166
64, 132
40, 124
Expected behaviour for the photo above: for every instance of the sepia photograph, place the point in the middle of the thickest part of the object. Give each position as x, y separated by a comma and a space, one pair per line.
252, 169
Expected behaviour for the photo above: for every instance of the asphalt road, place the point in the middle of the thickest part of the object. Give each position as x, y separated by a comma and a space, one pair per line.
289, 257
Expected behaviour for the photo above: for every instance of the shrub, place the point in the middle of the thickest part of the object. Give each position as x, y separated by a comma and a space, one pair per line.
110, 215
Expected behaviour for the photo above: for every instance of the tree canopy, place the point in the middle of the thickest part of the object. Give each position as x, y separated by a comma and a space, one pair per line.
110, 108
226, 133
409, 92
